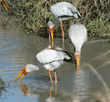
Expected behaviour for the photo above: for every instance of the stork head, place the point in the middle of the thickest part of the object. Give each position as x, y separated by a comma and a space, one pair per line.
28, 68
50, 24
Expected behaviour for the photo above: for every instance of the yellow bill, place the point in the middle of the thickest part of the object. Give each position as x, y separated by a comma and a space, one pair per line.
52, 38
78, 61
23, 73
51, 35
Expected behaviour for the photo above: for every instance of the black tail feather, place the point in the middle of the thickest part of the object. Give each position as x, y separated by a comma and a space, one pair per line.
63, 16
72, 58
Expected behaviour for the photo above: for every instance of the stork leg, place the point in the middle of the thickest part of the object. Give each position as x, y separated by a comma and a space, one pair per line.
62, 33
8, 7
67, 28
55, 76
50, 76
50, 90
55, 88
5, 5
68, 23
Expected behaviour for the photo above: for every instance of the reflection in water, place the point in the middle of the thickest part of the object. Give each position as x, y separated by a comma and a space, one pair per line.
55, 88
78, 68
101, 56
104, 64
50, 98
101, 79
51, 88
27, 90
6, 22
102, 40
80, 85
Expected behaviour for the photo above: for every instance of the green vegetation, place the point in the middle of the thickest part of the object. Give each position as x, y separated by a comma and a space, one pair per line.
99, 27
96, 13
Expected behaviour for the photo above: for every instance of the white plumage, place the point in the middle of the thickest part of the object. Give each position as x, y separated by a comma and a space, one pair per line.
51, 58
31, 67
78, 35
62, 11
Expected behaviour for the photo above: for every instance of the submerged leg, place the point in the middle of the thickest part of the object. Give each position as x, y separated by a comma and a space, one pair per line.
50, 76
62, 33
55, 76
55, 88
50, 90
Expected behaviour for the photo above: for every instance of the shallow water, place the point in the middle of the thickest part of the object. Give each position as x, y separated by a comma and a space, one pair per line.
18, 49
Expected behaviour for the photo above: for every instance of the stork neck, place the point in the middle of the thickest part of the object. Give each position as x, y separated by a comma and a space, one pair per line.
55, 20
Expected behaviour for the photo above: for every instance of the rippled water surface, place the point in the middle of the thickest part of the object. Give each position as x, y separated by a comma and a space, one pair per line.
89, 84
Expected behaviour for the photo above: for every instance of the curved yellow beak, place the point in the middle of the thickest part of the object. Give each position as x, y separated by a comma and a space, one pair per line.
24, 72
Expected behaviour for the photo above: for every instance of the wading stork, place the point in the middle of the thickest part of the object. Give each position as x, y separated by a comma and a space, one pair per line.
61, 11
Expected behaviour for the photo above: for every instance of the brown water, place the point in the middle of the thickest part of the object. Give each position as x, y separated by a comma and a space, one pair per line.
89, 84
